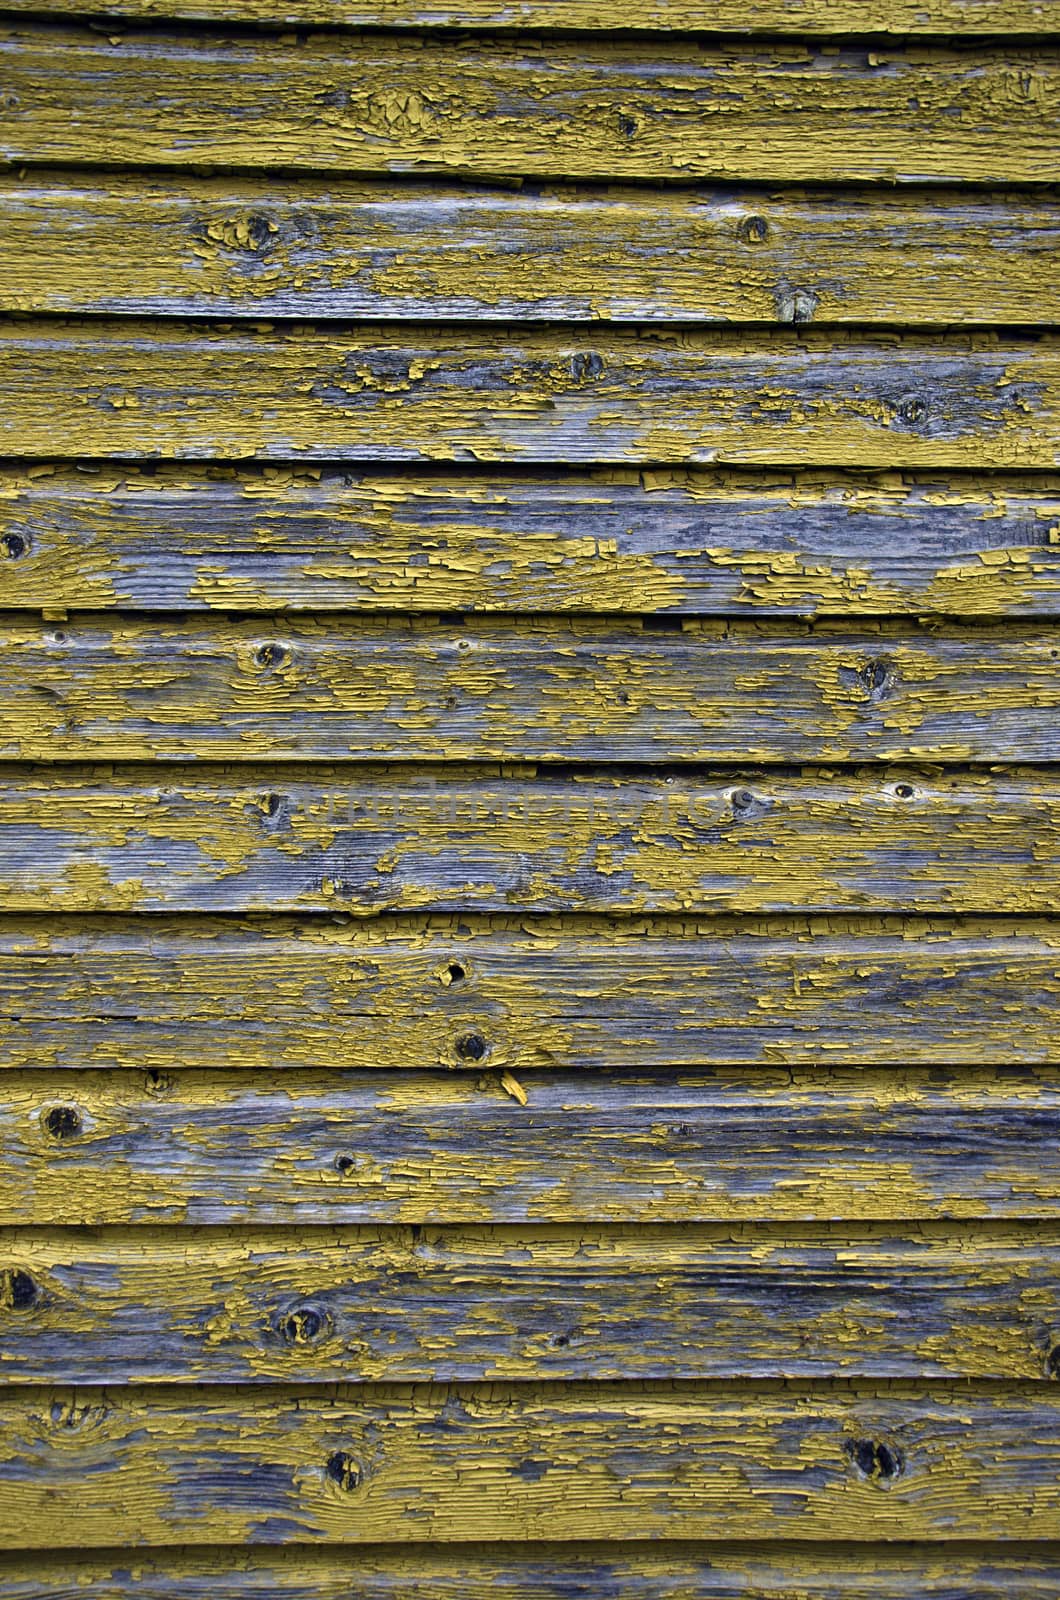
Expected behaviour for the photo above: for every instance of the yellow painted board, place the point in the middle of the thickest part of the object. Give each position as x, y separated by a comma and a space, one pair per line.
762, 1144
303, 538
531, 688
671, 1571
229, 247
417, 1464
253, 839
290, 996
774, 112
444, 1304
822, 17
796, 398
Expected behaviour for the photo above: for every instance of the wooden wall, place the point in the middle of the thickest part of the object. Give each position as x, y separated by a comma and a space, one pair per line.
530, 824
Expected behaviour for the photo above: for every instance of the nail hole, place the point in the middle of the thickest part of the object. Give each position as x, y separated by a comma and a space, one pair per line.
874, 1459
14, 545
471, 1047
345, 1163
626, 126
753, 230
303, 1325
17, 1289
58, 637
904, 791
156, 1082
560, 1341
622, 697
457, 973
344, 1470
63, 1122
741, 800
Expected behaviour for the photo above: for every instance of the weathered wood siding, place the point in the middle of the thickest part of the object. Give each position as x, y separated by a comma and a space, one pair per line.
530, 800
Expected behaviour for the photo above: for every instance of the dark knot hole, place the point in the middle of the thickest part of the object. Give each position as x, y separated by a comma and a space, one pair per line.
63, 1122
876, 1459
345, 1470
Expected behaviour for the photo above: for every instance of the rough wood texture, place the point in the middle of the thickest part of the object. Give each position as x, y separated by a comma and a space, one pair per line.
143, 390
820, 17
764, 1144
260, 840
557, 1303
772, 111
421, 1463
291, 539
231, 248
531, 689
673, 1571
276, 996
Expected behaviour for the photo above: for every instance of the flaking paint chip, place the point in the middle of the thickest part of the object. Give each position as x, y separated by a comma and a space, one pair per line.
513, 1087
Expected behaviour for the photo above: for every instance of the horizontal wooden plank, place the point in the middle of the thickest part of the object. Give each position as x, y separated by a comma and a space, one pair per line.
765, 1144
444, 1464
169, 994
818, 17
679, 542
238, 248
533, 689
443, 1304
631, 109
451, 394
254, 839
673, 1571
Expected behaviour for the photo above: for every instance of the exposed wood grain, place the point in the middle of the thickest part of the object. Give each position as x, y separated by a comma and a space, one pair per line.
258, 840
764, 1144
632, 109
531, 689
443, 1304
673, 1571
820, 17
442, 1464
790, 398
270, 996
722, 542
239, 248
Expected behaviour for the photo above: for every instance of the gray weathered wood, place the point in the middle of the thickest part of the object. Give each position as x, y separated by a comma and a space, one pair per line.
332, 1146
715, 542
529, 689
443, 1304
144, 390
228, 248
671, 1571
771, 111
261, 839
455, 1463
273, 996
816, 17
